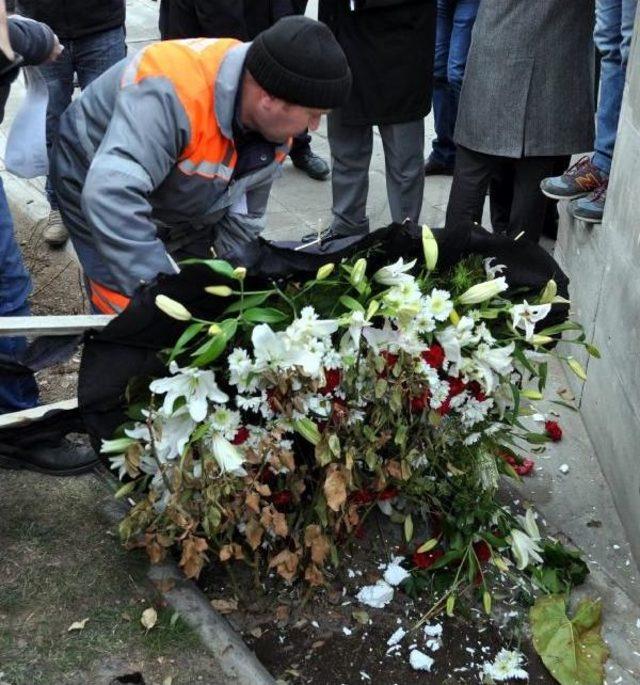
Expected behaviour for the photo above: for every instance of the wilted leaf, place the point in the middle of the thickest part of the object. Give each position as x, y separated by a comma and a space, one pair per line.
254, 532
256, 632
282, 613
572, 649
149, 618
286, 564
335, 488
319, 544
77, 625
193, 556
232, 551
361, 616
225, 606
253, 501
313, 575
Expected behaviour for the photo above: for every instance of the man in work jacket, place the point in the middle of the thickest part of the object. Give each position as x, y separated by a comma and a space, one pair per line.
175, 149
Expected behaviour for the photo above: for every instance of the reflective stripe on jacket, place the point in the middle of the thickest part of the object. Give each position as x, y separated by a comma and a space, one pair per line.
150, 143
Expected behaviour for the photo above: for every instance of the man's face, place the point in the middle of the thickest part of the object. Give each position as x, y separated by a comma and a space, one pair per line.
278, 120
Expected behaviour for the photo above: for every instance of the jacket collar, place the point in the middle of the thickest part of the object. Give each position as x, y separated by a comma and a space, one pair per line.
228, 82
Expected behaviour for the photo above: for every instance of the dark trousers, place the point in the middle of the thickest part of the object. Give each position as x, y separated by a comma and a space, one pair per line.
471, 179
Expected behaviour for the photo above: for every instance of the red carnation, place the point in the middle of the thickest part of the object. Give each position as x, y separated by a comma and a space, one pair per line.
419, 402
387, 493
482, 551
389, 358
332, 381
362, 497
553, 430
434, 356
525, 468
282, 498
241, 435
456, 386
445, 407
426, 559
476, 390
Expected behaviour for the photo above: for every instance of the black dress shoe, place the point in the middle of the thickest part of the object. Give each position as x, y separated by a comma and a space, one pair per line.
315, 167
65, 459
432, 168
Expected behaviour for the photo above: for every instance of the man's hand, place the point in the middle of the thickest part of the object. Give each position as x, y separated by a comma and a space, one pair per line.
57, 49
5, 45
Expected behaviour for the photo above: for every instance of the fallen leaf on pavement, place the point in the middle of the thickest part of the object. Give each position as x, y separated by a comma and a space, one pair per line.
77, 625
149, 618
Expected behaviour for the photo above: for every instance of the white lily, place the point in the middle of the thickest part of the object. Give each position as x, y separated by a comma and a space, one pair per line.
528, 522
195, 385
356, 321
228, 456
271, 351
493, 360
454, 338
490, 270
394, 274
308, 325
526, 315
524, 549
483, 291
174, 433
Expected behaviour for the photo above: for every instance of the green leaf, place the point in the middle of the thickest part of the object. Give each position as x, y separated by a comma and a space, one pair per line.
572, 649
350, 303
264, 315
189, 333
536, 438
560, 328
218, 265
210, 351
248, 301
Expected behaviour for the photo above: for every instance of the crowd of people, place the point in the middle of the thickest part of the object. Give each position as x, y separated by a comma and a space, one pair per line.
171, 151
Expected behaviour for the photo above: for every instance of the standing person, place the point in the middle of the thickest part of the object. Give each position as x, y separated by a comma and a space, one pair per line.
92, 33
585, 183
29, 42
390, 48
174, 152
455, 19
244, 20
520, 104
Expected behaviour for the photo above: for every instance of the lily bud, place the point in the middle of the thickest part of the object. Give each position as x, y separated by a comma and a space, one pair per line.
532, 394
549, 292
483, 291
428, 546
429, 247
308, 430
359, 270
539, 340
451, 602
576, 367
172, 308
214, 330
240, 273
372, 309
219, 290
454, 317
325, 271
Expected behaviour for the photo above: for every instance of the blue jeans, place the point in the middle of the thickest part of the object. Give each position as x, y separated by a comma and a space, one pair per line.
88, 57
455, 21
16, 392
613, 33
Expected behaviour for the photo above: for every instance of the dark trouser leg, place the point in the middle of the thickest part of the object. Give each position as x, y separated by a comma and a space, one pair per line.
471, 177
404, 165
351, 148
529, 204
501, 196
98, 52
181, 20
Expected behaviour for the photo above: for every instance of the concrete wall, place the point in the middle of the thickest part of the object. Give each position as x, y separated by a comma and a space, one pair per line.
603, 264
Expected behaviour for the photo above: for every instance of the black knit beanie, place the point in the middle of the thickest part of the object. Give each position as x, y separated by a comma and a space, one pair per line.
299, 60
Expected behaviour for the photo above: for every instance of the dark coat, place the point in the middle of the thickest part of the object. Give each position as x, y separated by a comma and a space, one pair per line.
33, 43
241, 19
528, 84
390, 48
75, 18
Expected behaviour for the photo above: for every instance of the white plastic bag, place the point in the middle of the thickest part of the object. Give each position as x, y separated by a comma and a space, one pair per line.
26, 153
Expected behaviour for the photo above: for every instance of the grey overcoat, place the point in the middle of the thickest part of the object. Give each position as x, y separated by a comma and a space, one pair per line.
528, 84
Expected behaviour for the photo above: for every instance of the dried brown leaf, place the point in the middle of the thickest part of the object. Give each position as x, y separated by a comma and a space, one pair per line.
225, 606
335, 488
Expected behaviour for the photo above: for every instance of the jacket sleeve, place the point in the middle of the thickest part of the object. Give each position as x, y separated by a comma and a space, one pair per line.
244, 221
147, 133
32, 40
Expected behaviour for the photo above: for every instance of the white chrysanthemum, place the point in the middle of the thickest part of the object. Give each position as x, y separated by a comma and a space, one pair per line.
248, 403
240, 368
438, 304
224, 421
506, 666
474, 411
195, 385
439, 393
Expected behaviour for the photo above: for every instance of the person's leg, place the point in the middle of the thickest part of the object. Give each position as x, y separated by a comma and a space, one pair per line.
440, 159
608, 39
501, 196
59, 78
305, 159
529, 204
17, 392
471, 178
96, 53
460, 24
351, 148
403, 159
181, 20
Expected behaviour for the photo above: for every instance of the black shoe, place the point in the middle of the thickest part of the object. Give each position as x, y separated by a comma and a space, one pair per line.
432, 168
66, 459
315, 167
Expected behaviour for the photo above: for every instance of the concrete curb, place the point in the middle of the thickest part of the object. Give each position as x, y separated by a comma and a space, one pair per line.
237, 662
